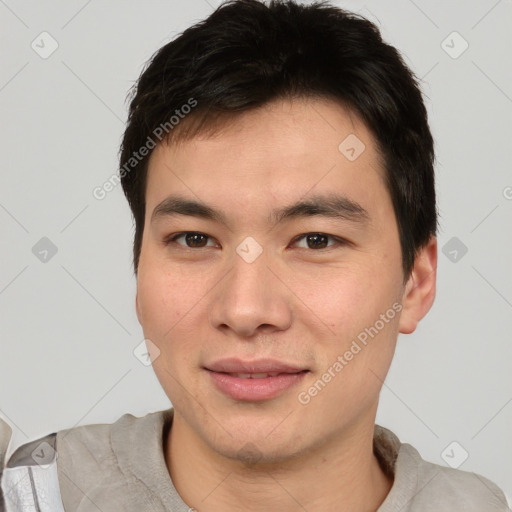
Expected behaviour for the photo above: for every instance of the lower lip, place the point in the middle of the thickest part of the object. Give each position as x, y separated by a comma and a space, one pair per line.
255, 390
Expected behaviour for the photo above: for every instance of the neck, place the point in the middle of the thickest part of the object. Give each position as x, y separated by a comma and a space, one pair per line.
341, 475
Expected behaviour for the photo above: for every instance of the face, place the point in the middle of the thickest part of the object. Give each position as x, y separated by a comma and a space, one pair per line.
242, 285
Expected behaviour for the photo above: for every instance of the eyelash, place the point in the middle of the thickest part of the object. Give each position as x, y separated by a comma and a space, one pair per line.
340, 241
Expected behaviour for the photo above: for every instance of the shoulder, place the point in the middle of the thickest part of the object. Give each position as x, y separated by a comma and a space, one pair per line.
442, 488
467, 490
85, 441
84, 460
421, 486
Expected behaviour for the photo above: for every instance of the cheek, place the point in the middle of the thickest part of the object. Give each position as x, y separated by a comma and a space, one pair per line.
170, 304
349, 299
164, 297
167, 311
363, 324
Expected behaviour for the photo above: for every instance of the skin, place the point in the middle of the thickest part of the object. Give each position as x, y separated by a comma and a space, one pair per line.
295, 303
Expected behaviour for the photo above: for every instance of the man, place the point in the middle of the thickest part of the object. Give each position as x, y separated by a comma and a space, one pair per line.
279, 166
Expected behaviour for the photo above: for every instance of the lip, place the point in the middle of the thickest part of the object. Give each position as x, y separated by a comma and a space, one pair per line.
254, 389
235, 365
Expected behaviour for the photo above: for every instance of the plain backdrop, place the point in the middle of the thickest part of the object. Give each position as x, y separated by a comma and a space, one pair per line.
68, 326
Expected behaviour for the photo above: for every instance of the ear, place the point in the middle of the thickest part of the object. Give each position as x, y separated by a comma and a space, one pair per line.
137, 308
420, 289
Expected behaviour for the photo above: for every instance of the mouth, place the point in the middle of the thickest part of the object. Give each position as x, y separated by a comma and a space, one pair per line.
254, 381
255, 375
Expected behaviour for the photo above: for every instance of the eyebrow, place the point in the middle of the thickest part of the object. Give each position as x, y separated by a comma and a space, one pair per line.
327, 205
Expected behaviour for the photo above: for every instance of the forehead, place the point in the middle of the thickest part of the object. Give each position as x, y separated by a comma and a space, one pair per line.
281, 152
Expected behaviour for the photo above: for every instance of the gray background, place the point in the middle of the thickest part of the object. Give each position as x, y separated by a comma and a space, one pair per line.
68, 326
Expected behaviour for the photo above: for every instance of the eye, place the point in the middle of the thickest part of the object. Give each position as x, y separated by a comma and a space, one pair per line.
193, 239
318, 240
197, 240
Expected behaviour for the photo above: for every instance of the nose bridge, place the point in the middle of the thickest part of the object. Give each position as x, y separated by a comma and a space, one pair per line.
250, 295
251, 272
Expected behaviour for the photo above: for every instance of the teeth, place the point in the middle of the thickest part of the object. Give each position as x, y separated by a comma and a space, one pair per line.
254, 375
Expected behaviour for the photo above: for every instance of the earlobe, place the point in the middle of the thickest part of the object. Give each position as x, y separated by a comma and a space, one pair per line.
420, 289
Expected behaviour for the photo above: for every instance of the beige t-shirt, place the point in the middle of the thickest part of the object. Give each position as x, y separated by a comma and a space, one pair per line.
121, 467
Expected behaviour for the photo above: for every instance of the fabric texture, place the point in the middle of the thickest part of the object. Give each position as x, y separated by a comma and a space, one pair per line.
5, 437
121, 467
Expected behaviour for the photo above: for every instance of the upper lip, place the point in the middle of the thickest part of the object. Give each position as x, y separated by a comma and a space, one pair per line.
235, 365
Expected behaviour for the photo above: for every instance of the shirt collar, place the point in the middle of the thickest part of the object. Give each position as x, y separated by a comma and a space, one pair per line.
147, 461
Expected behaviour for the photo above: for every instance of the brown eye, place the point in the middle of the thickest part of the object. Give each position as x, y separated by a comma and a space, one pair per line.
196, 239
317, 240
193, 239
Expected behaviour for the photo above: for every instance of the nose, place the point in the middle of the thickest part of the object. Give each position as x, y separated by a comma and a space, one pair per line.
251, 299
